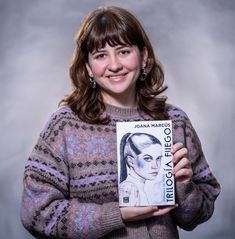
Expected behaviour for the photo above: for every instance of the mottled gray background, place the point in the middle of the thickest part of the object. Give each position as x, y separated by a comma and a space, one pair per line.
194, 39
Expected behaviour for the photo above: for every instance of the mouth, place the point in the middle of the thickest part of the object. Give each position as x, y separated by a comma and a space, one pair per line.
117, 77
154, 173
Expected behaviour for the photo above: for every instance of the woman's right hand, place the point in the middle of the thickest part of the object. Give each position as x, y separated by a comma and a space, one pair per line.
140, 213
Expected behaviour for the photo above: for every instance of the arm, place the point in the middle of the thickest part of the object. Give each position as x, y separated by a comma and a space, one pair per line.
47, 210
196, 195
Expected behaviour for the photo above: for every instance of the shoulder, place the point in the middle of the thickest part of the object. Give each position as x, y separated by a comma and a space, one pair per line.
63, 112
175, 112
178, 116
180, 120
59, 119
183, 130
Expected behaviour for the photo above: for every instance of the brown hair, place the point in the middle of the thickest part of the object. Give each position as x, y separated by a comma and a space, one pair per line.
112, 25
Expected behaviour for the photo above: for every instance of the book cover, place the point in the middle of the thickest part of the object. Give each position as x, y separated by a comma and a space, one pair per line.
145, 163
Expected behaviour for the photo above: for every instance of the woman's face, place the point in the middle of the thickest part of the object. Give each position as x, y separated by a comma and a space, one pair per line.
148, 162
116, 70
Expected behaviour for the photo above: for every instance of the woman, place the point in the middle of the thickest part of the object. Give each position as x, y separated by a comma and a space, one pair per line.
141, 155
70, 179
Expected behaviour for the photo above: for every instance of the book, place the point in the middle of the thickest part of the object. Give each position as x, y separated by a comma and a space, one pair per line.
145, 163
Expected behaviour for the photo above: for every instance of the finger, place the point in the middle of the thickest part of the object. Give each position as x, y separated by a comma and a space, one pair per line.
183, 163
185, 172
165, 210
184, 175
141, 217
135, 213
176, 147
149, 212
178, 155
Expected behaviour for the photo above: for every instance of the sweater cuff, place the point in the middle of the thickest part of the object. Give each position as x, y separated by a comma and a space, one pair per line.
183, 190
111, 218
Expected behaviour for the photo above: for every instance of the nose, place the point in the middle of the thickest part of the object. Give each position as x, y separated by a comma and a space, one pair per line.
114, 63
154, 164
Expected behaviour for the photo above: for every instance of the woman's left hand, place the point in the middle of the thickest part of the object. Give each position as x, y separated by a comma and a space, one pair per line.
182, 168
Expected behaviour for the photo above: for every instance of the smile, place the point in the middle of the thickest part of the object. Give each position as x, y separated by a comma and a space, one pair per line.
117, 77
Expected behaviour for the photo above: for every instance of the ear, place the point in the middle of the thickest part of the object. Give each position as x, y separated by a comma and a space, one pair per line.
89, 70
130, 161
144, 55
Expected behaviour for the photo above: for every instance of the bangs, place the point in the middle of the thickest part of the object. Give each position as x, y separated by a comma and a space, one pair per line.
108, 28
99, 39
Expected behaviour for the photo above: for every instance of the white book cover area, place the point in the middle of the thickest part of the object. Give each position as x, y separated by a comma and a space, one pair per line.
145, 163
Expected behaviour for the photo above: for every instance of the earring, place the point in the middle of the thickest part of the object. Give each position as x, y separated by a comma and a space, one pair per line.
142, 75
92, 82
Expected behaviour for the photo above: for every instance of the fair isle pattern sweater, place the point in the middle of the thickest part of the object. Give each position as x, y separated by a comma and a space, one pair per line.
70, 181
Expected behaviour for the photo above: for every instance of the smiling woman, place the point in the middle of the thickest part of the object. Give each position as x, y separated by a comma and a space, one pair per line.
71, 180
113, 50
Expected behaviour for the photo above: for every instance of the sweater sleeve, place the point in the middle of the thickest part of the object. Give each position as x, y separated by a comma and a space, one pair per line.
196, 198
48, 211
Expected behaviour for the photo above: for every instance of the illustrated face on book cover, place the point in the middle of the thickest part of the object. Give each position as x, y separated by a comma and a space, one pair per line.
143, 153
147, 163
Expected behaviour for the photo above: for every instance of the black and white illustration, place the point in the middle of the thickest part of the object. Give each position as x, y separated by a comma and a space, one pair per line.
145, 163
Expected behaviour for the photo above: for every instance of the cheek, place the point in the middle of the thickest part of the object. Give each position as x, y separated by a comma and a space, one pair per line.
97, 69
133, 64
140, 164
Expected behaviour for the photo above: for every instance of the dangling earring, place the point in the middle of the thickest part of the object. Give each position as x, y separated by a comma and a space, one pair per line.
142, 74
92, 82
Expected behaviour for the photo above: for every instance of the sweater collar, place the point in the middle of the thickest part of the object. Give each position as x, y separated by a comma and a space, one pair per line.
119, 111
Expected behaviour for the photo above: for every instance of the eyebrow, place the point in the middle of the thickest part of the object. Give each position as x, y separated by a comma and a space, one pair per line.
122, 46
148, 155
117, 47
98, 51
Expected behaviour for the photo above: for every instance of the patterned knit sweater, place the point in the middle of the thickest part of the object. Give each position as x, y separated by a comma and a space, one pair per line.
70, 181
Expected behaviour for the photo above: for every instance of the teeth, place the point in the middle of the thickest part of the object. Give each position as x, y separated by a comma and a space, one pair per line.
116, 76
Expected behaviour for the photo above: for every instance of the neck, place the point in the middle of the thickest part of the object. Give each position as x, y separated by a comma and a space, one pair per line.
120, 100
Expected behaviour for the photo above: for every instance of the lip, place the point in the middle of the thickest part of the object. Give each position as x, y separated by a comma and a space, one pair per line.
154, 173
116, 77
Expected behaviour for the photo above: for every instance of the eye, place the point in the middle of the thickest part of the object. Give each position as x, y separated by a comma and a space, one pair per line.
125, 52
99, 56
148, 158
159, 158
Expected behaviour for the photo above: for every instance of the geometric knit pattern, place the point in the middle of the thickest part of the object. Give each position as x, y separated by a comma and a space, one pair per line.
70, 181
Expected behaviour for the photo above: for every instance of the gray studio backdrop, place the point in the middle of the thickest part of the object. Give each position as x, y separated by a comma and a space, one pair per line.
194, 40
